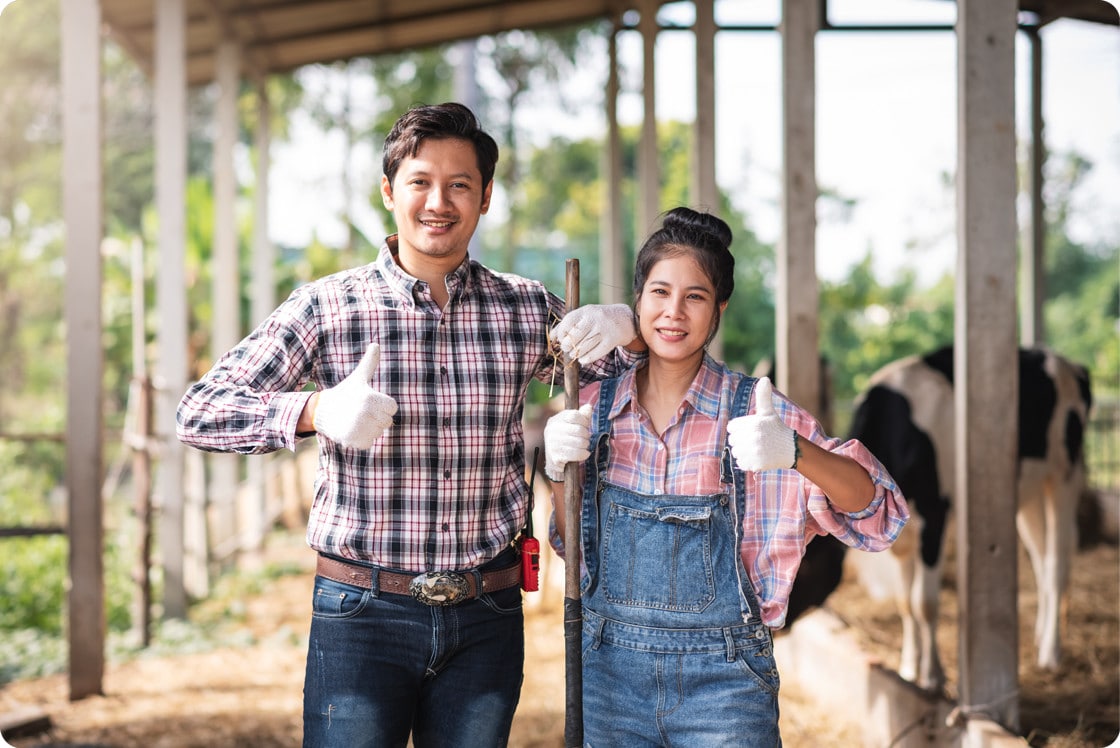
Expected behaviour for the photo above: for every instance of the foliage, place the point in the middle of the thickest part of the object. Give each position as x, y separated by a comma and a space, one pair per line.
864, 324
1082, 312
33, 570
562, 194
404, 80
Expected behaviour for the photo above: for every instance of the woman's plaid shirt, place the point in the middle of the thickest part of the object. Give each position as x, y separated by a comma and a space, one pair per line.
444, 488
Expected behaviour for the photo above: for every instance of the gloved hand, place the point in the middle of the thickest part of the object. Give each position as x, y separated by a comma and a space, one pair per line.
592, 331
762, 441
352, 413
566, 439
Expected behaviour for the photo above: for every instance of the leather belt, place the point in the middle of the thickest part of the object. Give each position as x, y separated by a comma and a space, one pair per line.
432, 588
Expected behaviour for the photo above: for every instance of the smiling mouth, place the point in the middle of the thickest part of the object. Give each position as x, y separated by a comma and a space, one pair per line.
438, 224
672, 333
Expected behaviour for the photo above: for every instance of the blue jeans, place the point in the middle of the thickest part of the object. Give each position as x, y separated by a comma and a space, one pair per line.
644, 686
382, 666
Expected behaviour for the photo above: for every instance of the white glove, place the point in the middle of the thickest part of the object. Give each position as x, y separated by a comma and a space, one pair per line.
592, 331
761, 441
352, 413
567, 436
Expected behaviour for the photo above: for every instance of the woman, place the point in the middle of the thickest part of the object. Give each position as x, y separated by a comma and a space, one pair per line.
696, 512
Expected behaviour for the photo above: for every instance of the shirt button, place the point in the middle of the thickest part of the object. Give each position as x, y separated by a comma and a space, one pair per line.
446, 526
443, 370
446, 473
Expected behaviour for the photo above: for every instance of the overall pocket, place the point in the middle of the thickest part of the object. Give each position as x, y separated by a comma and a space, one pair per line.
658, 557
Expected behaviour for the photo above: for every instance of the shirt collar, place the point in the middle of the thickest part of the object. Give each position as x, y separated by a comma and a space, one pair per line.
703, 394
458, 281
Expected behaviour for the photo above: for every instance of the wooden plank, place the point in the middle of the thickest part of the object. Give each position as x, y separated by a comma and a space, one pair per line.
823, 657
23, 722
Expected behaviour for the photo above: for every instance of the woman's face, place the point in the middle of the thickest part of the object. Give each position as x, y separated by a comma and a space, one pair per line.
676, 309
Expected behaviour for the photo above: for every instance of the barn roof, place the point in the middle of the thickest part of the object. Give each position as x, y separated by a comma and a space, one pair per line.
280, 35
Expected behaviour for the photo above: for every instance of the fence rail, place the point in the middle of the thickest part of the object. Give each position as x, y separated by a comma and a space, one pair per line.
1102, 445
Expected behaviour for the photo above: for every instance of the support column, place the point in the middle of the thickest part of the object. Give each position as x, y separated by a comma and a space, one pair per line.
263, 300
796, 304
705, 192
612, 274
986, 375
220, 523
1033, 253
81, 208
171, 179
649, 186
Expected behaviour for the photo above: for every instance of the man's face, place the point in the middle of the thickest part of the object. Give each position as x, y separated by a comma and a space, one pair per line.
437, 198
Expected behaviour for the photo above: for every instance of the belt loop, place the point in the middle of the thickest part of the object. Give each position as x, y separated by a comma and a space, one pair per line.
729, 638
597, 637
477, 574
375, 582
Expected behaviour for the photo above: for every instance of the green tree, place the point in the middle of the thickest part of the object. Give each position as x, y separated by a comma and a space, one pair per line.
1082, 311
31, 273
525, 63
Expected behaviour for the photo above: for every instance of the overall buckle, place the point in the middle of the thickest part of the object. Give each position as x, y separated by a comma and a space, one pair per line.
439, 588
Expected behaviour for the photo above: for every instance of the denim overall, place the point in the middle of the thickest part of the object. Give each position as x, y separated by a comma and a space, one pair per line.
674, 650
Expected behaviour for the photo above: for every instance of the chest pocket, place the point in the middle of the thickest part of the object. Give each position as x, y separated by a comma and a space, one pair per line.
658, 557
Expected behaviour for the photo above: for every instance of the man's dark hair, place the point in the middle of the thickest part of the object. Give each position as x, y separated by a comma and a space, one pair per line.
449, 120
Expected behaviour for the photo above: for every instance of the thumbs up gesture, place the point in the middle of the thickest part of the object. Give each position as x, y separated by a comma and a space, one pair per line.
761, 441
352, 413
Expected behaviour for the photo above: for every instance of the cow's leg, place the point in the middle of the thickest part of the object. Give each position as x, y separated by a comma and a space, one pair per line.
1061, 496
927, 588
920, 661
1031, 522
911, 648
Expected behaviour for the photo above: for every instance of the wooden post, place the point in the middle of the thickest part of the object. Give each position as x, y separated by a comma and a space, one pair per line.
81, 209
986, 378
141, 455
573, 605
796, 303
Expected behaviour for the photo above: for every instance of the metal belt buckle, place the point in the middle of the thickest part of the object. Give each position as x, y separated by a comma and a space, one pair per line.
440, 588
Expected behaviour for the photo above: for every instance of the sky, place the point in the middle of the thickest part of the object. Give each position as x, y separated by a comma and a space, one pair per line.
886, 132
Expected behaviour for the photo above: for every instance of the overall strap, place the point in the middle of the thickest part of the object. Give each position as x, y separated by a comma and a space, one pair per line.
748, 600
739, 404
601, 428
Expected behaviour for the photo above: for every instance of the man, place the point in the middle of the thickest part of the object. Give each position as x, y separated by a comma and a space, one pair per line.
421, 362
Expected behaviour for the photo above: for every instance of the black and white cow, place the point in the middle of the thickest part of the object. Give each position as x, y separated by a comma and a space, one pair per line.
905, 418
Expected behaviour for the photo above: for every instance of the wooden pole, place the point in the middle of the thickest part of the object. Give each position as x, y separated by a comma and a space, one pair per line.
141, 455
573, 611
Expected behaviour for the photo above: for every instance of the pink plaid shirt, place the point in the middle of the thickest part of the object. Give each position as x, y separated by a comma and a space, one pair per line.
785, 510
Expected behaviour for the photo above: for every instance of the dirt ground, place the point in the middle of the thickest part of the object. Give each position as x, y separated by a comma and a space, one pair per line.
249, 696
1077, 706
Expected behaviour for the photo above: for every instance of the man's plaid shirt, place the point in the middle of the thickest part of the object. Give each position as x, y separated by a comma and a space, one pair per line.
444, 488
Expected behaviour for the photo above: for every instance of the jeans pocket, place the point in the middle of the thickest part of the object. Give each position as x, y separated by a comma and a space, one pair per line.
333, 599
507, 601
